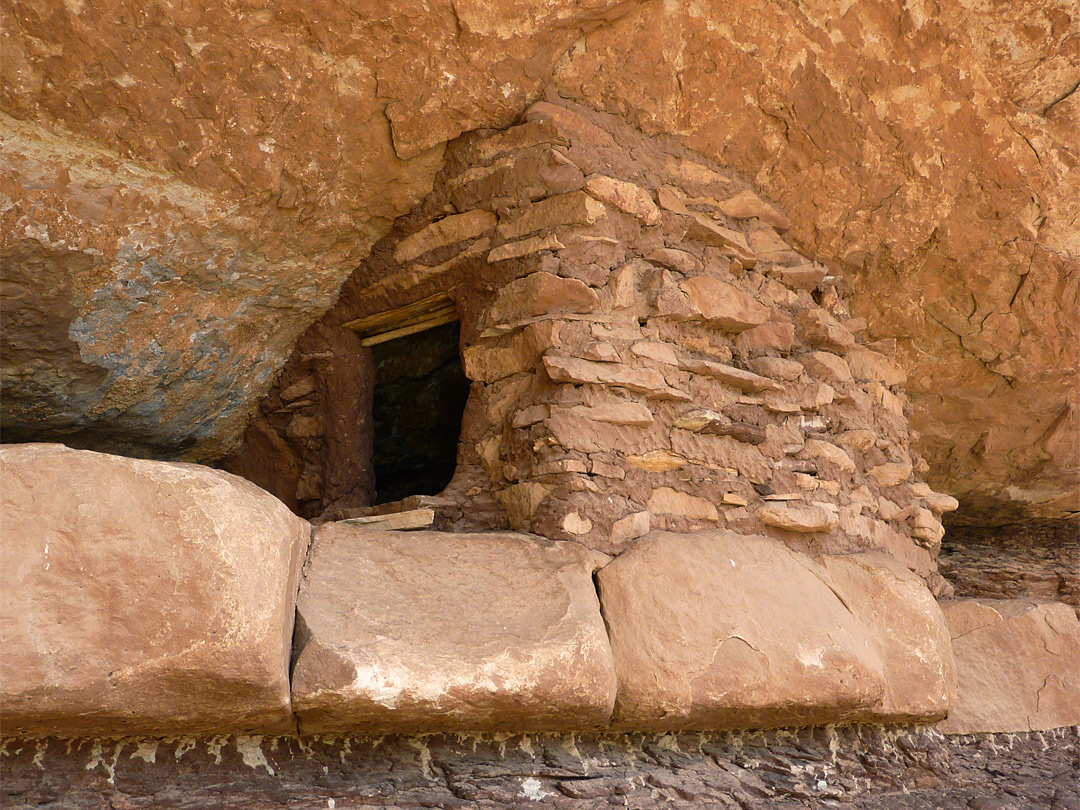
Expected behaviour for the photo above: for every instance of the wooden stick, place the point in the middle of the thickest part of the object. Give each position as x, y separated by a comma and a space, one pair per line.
444, 317
393, 317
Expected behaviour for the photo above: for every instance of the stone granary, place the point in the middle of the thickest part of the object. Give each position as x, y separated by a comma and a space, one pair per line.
595, 481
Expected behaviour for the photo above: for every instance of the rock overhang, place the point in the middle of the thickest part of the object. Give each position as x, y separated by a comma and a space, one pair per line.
902, 215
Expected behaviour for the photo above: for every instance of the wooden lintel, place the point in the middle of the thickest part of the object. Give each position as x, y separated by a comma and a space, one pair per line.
412, 329
418, 316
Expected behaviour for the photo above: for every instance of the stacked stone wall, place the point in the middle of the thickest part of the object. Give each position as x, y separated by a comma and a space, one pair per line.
648, 352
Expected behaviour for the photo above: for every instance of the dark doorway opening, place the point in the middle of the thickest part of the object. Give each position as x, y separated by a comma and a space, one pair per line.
419, 400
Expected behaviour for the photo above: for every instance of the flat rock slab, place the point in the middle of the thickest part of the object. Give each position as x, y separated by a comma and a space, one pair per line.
1018, 665
715, 630
430, 631
142, 597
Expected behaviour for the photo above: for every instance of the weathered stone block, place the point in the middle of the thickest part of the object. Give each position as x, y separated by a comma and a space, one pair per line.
1017, 664
719, 630
444, 232
142, 597
723, 305
908, 629
422, 631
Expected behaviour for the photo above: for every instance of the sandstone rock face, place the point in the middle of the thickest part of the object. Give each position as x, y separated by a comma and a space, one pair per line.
1034, 560
717, 630
422, 631
1018, 665
177, 213
928, 156
142, 597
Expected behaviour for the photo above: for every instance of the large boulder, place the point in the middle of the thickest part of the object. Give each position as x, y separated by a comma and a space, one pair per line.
142, 597
718, 630
1018, 665
414, 632
908, 630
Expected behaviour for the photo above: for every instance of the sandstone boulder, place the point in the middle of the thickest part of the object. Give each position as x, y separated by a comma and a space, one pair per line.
1017, 663
422, 631
142, 597
718, 630
908, 629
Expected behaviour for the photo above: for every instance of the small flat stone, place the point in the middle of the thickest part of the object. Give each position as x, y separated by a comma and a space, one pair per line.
822, 330
795, 517
575, 208
646, 381
444, 232
745, 381
748, 205
722, 305
657, 461
655, 350
892, 474
616, 413
826, 366
708, 232
870, 365
678, 260
539, 294
668, 501
524, 247
801, 277
627, 197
